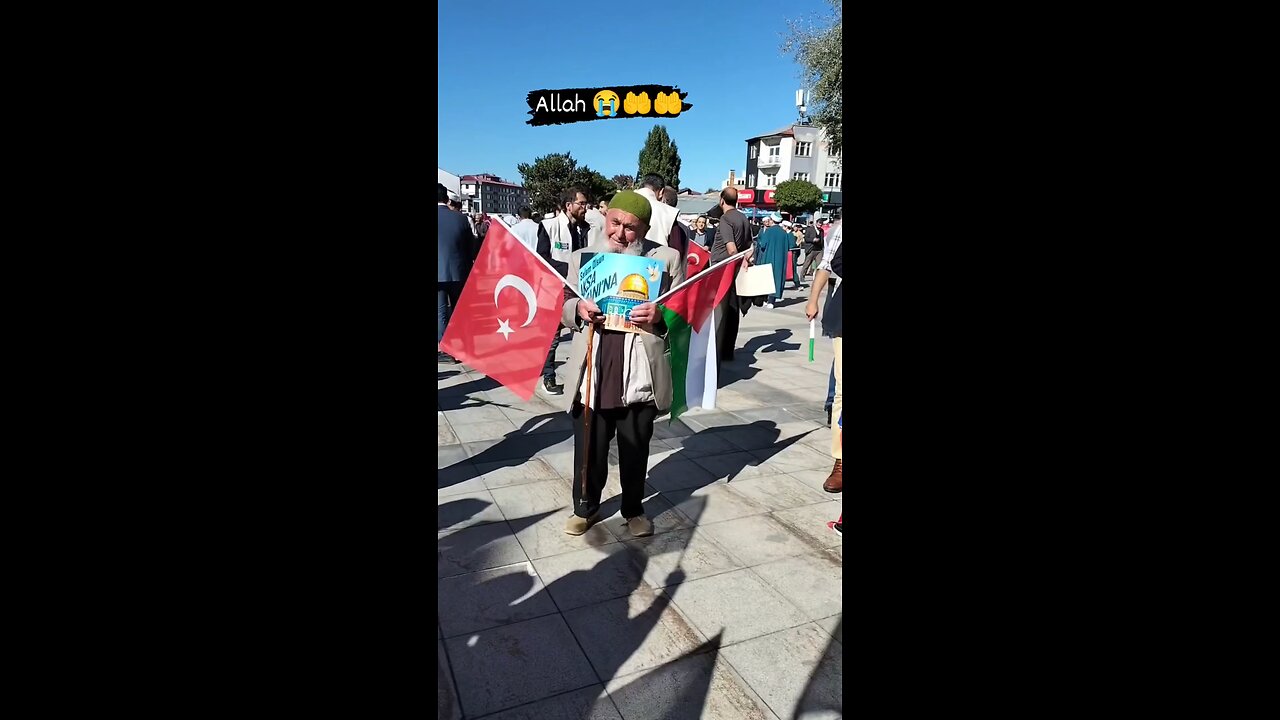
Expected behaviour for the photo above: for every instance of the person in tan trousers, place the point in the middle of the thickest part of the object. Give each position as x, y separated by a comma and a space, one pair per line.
832, 325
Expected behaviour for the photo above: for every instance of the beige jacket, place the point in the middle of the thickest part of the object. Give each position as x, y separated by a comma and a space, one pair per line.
650, 349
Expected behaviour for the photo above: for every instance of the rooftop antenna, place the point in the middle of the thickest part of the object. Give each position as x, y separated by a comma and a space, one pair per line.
800, 105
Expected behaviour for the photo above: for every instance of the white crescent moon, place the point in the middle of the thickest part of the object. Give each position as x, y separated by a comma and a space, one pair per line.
693, 259
525, 289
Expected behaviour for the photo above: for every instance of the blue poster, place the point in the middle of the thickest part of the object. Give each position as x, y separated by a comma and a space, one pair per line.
616, 283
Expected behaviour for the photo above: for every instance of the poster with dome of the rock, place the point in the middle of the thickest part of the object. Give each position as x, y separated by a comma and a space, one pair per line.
616, 283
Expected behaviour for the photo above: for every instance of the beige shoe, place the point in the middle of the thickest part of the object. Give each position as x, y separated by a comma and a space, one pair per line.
640, 526
578, 525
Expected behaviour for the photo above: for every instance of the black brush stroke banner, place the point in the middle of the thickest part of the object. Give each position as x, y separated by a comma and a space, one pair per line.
571, 105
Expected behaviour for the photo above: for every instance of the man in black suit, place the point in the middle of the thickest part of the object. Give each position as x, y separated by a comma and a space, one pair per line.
453, 248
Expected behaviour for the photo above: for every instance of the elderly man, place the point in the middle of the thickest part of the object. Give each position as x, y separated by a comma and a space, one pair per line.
630, 377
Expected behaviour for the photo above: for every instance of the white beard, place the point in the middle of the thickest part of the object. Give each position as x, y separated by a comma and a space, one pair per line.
634, 248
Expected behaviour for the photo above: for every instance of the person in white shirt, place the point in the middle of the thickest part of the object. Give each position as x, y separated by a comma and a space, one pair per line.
526, 231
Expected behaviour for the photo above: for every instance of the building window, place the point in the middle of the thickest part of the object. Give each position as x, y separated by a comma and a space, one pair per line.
753, 151
770, 179
773, 151
834, 154
800, 176
804, 149
751, 181
832, 180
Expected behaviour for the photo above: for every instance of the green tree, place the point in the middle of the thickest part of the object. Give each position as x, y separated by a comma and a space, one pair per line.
624, 182
797, 196
660, 155
547, 176
592, 183
816, 46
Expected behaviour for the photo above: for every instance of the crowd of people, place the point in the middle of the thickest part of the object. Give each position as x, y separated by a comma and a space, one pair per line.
631, 381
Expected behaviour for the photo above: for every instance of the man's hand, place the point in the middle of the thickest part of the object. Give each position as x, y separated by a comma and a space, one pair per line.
644, 314
811, 310
589, 312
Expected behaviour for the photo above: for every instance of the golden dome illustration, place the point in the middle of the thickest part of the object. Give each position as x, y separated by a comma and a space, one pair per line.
634, 286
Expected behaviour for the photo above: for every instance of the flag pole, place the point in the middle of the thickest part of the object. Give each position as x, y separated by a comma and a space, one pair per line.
586, 412
699, 276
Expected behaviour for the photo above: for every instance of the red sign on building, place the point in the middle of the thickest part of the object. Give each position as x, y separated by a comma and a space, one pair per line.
768, 197
746, 197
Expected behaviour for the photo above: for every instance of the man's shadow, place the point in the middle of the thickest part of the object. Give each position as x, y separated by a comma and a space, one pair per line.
515, 448
457, 397
739, 369
763, 435
459, 511
623, 568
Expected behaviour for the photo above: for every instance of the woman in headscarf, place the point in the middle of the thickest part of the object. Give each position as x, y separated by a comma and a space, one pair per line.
773, 245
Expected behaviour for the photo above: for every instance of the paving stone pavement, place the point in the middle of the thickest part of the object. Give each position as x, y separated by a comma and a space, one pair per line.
732, 609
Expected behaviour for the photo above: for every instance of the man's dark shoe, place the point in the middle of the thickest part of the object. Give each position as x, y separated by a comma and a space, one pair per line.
828, 409
551, 386
445, 358
835, 481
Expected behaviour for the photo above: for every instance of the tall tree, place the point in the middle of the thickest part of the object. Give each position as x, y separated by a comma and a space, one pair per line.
797, 196
592, 183
816, 46
547, 176
623, 182
660, 155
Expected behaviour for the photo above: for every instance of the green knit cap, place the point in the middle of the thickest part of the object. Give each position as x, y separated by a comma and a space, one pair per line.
634, 203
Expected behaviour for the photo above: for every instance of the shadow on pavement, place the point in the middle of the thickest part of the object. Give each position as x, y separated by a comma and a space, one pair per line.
787, 302
824, 690
514, 449
457, 397
764, 432
735, 370
457, 511
622, 570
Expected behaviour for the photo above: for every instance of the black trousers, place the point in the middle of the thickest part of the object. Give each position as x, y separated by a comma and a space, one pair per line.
447, 294
549, 369
634, 427
727, 329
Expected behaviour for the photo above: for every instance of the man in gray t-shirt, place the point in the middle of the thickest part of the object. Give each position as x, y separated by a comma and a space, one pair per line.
733, 230
732, 236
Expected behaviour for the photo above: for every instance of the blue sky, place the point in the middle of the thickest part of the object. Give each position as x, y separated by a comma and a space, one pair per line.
725, 55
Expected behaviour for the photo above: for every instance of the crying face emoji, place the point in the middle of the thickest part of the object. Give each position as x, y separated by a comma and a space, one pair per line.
606, 103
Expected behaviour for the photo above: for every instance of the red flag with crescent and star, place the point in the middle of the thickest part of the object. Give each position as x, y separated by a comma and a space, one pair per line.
697, 260
507, 314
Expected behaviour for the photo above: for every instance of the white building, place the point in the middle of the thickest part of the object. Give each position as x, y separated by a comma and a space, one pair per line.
794, 152
491, 194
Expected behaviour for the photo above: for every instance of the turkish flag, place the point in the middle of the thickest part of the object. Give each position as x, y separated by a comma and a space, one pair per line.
697, 260
507, 314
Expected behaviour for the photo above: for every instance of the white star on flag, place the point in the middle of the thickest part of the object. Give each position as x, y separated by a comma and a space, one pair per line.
504, 327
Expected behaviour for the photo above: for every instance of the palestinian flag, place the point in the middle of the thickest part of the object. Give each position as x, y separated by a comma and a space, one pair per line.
687, 310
